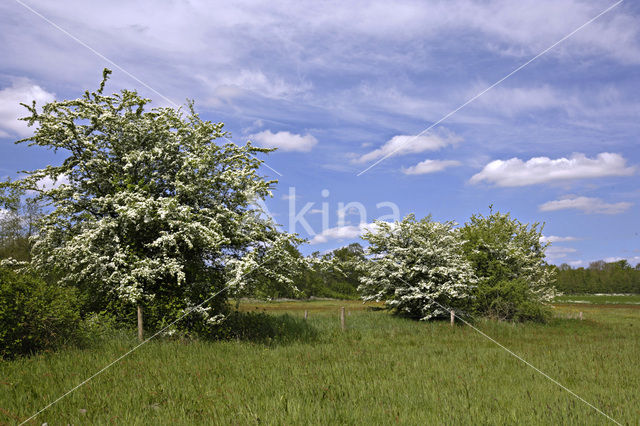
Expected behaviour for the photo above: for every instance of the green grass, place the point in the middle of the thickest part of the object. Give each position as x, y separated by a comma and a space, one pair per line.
631, 299
383, 369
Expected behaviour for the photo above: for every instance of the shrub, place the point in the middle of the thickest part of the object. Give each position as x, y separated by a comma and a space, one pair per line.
509, 300
34, 315
417, 267
514, 281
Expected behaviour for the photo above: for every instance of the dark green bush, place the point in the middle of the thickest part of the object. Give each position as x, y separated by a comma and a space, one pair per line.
509, 301
515, 282
34, 315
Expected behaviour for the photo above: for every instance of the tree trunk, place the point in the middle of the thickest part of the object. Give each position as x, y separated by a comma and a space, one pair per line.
140, 327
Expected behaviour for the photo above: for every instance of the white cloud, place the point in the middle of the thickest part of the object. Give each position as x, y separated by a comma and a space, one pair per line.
47, 183
555, 252
270, 48
291, 50
257, 124
515, 172
407, 144
342, 232
633, 261
337, 233
587, 108
515, 24
586, 204
510, 101
235, 85
429, 166
285, 141
25, 91
556, 239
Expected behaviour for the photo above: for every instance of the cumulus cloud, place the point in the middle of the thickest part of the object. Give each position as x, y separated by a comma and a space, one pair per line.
285, 141
343, 232
515, 172
408, 144
585, 204
25, 91
337, 233
429, 166
556, 239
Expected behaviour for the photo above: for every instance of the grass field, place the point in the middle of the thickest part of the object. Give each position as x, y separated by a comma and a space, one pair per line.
383, 369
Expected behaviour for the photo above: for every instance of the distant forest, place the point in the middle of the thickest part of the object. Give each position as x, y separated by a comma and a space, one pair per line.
599, 277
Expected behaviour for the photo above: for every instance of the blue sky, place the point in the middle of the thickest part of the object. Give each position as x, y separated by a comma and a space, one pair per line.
339, 85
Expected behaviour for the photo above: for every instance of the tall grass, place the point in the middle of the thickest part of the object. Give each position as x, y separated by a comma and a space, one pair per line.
383, 369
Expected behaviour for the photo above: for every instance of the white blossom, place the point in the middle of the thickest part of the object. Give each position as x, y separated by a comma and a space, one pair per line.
417, 268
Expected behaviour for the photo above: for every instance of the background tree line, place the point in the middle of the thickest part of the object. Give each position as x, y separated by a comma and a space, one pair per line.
335, 274
599, 277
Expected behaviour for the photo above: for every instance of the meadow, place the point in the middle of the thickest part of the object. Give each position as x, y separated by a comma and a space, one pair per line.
382, 369
622, 299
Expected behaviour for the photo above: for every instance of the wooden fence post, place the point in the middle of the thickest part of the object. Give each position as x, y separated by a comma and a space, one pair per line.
342, 318
140, 325
305, 314
580, 315
453, 317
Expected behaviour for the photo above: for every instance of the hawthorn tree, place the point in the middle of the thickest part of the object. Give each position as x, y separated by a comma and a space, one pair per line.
151, 207
417, 267
514, 280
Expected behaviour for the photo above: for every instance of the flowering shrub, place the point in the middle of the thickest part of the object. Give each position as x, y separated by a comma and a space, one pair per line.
418, 268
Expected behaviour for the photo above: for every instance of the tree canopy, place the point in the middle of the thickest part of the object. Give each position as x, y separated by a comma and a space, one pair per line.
148, 204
